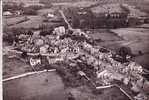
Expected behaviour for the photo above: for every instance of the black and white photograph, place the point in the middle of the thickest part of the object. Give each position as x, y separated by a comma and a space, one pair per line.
75, 49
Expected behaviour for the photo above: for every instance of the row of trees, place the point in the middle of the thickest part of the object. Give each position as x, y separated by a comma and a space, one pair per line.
11, 6
30, 10
10, 34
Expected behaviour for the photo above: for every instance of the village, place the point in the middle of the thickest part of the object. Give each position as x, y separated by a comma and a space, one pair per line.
81, 50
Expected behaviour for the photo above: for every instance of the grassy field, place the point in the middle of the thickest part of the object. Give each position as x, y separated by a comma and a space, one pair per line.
34, 22
13, 66
133, 33
43, 86
137, 38
44, 11
75, 4
13, 20
104, 35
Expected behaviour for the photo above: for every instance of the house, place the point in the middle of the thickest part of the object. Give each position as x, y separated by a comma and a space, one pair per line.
7, 13
18, 12
50, 15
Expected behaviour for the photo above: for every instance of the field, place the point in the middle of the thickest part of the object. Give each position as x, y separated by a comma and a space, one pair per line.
33, 22
104, 35
22, 22
35, 87
13, 20
137, 38
14, 67
45, 11
75, 4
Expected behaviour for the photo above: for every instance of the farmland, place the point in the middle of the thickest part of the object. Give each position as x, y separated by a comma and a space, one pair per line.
33, 22
13, 20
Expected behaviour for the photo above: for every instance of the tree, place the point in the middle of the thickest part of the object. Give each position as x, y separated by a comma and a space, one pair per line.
10, 35
35, 7
11, 6
29, 11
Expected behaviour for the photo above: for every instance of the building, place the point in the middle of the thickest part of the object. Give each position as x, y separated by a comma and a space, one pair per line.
110, 15
98, 16
7, 13
136, 16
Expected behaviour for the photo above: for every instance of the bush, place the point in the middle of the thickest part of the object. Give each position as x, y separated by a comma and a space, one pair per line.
47, 4
29, 11
18, 31
45, 32
9, 35
35, 7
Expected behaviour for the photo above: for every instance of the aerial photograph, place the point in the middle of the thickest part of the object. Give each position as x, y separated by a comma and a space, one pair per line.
75, 49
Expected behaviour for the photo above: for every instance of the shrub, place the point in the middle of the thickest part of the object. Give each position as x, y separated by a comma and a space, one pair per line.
9, 35
35, 7
45, 32
47, 4
29, 11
